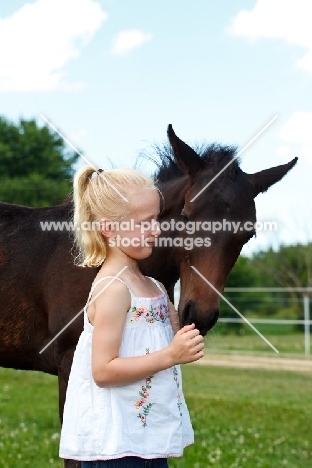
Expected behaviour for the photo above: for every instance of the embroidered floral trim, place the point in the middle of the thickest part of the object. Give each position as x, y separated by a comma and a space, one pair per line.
154, 314
175, 376
141, 403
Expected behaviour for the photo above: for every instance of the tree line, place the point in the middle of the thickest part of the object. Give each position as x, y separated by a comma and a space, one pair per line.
289, 266
35, 166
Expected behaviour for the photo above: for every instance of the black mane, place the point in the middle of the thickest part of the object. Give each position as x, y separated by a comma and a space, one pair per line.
212, 154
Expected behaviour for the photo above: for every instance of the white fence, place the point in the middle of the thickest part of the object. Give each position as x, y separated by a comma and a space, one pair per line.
306, 321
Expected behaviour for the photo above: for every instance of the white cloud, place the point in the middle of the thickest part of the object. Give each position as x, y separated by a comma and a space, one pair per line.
40, 38
128, 40
78, 136
282, 151
298, 130
289, 20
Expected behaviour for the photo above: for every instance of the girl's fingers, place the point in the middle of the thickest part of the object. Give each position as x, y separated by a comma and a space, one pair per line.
187, 328
192, 333
198, 339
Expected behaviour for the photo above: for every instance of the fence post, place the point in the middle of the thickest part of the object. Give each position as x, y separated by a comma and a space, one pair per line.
306, 303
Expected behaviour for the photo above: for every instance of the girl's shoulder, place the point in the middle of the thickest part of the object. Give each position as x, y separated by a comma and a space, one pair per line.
107, 291
108, 280
159, 284
113, 285
108, 284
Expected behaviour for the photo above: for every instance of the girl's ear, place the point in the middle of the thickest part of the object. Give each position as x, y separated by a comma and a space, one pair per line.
106, 228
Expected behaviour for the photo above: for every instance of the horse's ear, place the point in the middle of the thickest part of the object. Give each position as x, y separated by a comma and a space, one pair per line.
186, 158
263, 180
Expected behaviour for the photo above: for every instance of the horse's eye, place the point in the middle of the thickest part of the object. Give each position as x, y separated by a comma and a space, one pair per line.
183, 216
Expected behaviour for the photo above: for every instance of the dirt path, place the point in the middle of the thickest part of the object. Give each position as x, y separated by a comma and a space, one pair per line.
235, 360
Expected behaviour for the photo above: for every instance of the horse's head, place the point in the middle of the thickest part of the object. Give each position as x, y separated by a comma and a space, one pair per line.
215, 199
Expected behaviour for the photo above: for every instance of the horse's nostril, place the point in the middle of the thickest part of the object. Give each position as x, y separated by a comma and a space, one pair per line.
188, 314
213, 319
205, 323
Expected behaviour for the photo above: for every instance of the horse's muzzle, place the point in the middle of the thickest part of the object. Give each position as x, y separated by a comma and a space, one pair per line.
204, 321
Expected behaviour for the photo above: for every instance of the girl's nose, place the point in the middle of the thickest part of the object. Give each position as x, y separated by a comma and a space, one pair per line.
156, 229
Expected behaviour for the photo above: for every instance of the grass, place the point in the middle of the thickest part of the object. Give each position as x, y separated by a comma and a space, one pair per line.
29, 423
242, 418
247, 418
288, 345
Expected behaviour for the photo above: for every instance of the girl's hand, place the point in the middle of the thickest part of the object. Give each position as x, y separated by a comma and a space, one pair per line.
187, 345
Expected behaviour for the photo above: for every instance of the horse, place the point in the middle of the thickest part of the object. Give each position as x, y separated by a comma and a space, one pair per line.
42, 289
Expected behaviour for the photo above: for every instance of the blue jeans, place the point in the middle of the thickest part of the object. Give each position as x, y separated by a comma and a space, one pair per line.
127, 462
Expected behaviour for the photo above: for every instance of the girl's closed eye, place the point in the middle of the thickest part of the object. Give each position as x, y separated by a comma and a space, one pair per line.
149, 223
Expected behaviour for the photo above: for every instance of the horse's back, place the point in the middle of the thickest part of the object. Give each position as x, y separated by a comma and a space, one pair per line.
37, 279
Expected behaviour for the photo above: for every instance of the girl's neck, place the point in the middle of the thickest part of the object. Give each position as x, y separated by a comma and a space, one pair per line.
117, 260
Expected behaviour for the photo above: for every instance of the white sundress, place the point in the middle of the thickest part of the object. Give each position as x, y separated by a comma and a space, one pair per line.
148, 418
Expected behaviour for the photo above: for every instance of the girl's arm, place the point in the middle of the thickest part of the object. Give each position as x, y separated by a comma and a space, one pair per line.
108, 369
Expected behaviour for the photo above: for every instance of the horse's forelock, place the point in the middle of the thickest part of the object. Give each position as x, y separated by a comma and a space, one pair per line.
214, 155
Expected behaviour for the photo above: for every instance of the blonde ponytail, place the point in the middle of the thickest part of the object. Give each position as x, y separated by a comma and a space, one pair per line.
102, 195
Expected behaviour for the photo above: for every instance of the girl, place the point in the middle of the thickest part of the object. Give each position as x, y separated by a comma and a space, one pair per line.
124, 404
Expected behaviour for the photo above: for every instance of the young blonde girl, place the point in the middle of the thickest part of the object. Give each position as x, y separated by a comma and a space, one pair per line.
124, 404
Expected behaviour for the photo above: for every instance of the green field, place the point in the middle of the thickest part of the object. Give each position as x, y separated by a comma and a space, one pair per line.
242, 418
288, 345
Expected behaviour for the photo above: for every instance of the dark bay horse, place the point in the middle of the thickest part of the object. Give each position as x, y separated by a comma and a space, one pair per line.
41, 288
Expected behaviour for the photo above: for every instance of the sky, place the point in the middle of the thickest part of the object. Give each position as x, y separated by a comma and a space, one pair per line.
112, 74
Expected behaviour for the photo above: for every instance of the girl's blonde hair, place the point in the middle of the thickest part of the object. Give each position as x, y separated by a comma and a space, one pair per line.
99, 195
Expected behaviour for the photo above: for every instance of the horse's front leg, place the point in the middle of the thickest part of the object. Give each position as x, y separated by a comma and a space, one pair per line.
71, 464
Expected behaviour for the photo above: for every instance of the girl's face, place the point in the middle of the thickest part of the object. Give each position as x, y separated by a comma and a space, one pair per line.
136, 235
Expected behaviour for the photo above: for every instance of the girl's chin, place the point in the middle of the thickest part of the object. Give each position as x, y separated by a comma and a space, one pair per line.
141, 253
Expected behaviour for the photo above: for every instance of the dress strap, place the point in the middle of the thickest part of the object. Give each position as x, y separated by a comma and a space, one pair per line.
108, 284
157, 284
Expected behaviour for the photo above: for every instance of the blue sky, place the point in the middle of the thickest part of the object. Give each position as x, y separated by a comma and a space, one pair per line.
112, 74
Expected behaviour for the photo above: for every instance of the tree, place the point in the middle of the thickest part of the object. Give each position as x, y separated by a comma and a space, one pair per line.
288, 267
35, 166
243, 275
